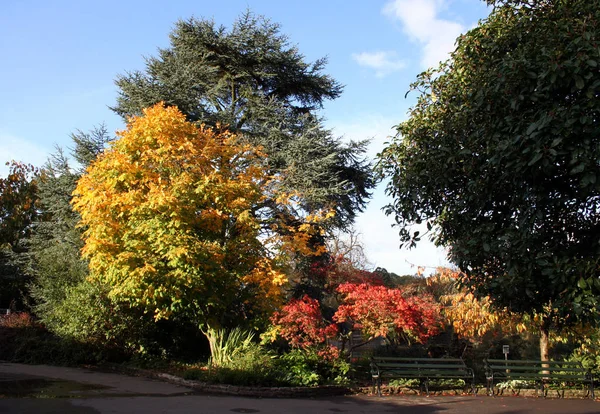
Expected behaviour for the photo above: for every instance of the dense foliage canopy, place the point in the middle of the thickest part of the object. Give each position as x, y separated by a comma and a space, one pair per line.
501, 156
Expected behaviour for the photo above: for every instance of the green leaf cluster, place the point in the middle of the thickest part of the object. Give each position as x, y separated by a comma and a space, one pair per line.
500, 157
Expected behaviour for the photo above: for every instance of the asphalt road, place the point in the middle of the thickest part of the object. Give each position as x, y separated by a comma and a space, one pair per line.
26, 389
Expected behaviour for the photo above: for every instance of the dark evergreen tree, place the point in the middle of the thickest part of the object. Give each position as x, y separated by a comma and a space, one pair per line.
252, 81
56, 241
58, 269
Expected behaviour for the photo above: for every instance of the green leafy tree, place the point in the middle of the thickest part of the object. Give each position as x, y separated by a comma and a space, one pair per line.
251, 80
500, 155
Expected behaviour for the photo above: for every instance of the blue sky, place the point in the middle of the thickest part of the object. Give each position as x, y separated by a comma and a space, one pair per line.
60, 59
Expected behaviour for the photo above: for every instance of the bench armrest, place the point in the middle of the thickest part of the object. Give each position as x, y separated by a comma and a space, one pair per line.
374, 370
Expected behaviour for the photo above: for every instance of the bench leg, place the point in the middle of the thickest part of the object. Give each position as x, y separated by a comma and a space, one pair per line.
490, 386
473, 385
377, 384
426, 383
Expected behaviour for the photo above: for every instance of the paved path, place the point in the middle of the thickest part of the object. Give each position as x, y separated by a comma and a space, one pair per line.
114, 393
109, 383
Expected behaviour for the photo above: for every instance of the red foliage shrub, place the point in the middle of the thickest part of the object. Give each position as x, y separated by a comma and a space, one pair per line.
301, 323
339, 271
17, 320
381, 311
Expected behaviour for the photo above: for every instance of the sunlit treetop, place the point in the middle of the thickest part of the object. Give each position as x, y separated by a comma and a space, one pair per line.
170, 223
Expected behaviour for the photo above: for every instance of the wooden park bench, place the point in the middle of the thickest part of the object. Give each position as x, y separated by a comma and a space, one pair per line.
423, 369
538, 372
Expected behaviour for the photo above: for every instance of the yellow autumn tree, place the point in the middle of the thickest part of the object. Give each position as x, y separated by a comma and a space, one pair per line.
169, 212
470, 317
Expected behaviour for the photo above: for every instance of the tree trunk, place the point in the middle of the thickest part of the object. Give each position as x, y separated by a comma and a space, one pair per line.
544, 335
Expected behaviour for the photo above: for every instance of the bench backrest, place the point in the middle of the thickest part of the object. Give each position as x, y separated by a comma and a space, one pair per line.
532, 362
534, 366
418, 363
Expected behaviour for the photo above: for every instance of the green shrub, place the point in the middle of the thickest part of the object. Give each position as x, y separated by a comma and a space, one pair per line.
514, 384
308, 368
33, 344
228, 346
255, 367
251, 364
237, 360
87, 315
404, 382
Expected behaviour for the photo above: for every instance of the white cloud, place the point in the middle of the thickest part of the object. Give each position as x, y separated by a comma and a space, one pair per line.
380, 239
421, 21
18, 149
384, 62
377, 128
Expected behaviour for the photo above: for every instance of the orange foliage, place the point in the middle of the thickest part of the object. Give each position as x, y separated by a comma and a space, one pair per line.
470, 317
18, 202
